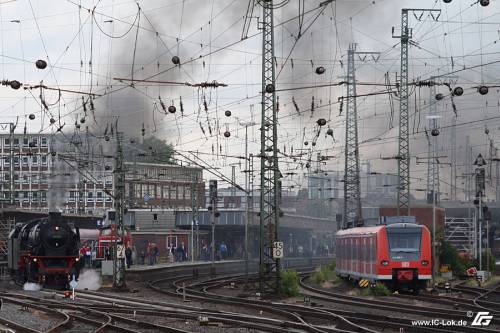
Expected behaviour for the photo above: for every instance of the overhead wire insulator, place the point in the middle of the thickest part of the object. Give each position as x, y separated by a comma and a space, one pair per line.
295, 105
162, 104
483, 90
181, 105
41, 64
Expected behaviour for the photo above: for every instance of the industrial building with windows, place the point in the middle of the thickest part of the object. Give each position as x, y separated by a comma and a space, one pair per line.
24, 170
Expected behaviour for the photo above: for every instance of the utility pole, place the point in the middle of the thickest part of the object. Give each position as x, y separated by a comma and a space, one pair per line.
249, 212
119, 201
453, 177
233, 187
194, 207
480, 188
403, 204
212, 186
269, 268
352, 189
432, 168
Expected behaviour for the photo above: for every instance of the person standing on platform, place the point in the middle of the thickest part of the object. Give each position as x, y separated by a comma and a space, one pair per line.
156, 253
128, 256
181, 252
223, 250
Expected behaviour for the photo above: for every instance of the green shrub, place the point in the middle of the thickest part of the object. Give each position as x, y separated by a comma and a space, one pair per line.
449, 256
289, 283
324, 274
380, 289
331, 265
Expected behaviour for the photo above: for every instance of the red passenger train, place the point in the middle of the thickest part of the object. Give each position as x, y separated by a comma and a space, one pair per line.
398, 254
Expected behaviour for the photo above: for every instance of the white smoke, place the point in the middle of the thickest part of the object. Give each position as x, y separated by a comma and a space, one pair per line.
89, 280
32, 286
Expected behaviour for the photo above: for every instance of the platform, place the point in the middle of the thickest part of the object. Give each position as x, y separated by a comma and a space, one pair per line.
145, 268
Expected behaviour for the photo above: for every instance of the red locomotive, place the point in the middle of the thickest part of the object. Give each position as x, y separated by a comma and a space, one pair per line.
107, 237
398, 254
44, 251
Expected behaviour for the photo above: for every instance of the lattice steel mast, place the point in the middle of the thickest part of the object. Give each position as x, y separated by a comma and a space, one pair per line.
119, 203
269, 270
432, 166
352, 190
404, 134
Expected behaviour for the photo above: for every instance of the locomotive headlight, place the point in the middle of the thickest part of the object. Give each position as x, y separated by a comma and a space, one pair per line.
384, 263
77, 259
425, 263
35, 259
57, 227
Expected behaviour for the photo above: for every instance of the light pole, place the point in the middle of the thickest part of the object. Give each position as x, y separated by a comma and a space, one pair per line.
249, 199
434, 174
213, 199
480, 187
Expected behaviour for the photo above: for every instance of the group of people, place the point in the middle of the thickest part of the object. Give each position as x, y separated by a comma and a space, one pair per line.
177, 253
85, 256
221, 252
150, 256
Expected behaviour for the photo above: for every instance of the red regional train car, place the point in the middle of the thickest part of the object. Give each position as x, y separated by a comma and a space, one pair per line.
398, 254
107, 237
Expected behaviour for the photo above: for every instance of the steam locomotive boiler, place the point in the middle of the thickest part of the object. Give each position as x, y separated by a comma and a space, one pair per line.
44, 251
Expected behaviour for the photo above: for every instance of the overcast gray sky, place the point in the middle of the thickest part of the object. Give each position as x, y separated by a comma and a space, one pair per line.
88, 43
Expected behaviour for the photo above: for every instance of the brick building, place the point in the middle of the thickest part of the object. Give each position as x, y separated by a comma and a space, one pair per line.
162, 185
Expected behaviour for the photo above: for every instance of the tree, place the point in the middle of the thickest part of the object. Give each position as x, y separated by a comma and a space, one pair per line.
449, 256
151, 150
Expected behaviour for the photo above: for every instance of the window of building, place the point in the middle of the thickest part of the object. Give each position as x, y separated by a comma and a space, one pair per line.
34, 142
34, 160
173, 192
90, 194
6, 176
6, 161
44, 160
15, 142
155, 217
25, 160
16, 160
26, 142
44, 142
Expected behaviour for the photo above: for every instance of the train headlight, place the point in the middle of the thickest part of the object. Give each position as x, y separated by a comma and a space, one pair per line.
57, 228
384, 263
425, 263
35, 259
77, 259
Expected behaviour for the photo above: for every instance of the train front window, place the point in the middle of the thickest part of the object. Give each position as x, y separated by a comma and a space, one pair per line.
404, 243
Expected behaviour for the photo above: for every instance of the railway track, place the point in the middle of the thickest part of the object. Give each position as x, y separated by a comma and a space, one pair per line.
394, 307
297, 315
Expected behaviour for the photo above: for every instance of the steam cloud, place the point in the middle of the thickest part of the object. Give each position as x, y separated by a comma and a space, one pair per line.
90, 280
30, 286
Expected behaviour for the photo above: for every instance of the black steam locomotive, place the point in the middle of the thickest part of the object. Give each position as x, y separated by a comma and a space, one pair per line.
44, 251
